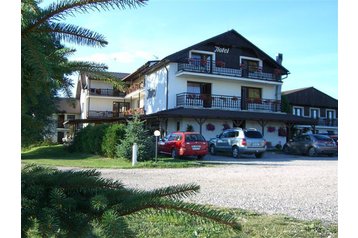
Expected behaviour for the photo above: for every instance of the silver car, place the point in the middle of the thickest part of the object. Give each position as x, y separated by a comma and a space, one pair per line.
311, 145
239, 141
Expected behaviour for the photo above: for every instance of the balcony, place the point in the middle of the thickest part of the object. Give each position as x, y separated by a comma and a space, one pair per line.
106, 92
134, 87
219, 68
328, 122
115, 114
225, 102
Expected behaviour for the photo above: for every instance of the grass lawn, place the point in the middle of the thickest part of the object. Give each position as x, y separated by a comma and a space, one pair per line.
253, 225
165, 224
57, 155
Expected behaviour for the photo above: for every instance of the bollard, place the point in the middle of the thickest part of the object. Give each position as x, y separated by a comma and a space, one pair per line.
134, 154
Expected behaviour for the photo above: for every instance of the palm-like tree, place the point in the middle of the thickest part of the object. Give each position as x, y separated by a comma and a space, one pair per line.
45, 68
80, 203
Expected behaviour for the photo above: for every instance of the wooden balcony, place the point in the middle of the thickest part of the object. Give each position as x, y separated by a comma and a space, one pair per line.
106, 92
219, 68
114, 114
328, 122
225, 102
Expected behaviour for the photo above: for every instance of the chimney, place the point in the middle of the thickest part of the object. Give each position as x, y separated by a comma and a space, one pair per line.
279, 58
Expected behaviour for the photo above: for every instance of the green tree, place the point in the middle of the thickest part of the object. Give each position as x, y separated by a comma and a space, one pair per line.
136, 133
58, 203
45, 68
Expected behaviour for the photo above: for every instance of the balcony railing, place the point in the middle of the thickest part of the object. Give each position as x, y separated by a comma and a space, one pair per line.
106, 92
135, 87
218, 68
225, 102
115, 114
328, 122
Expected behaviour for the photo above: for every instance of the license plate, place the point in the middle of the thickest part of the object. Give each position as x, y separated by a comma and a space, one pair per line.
196, 147
255, 144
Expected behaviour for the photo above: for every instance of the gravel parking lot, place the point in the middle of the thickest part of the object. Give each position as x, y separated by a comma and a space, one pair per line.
298, 186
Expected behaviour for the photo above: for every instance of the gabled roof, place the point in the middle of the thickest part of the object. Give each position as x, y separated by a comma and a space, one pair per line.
310, 97
230, 39
68, 105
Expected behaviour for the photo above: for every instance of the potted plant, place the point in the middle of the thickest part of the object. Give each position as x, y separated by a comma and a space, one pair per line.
210, 127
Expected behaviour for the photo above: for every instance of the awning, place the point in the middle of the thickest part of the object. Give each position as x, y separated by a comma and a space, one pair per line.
233, 115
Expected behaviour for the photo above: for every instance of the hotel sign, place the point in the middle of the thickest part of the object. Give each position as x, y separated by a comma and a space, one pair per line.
221, 50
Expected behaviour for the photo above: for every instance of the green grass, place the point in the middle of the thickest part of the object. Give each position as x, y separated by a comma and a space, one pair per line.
165, 224
253, 225
57, 155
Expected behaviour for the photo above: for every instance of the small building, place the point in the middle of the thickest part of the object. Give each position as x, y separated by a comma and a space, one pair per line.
67, 109
312, 103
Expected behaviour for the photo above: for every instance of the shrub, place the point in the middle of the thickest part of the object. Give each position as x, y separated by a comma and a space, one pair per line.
111, 139
89, 139
57, 203
136, 133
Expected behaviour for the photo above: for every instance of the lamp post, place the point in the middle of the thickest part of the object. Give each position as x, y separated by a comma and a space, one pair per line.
156, 134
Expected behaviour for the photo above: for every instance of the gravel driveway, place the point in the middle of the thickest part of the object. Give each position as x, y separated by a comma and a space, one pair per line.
298, 186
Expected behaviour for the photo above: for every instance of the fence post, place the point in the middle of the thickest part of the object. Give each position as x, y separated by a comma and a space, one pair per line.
134, 154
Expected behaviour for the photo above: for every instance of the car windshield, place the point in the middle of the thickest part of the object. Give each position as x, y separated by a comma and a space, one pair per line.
321, 137
194, 137
252, 134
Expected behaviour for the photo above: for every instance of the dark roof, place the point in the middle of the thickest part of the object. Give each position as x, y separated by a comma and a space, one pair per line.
68, 105
230, 39
119, 75
310, 97
181, 112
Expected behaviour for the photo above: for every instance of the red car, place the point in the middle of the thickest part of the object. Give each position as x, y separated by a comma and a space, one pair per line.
179, 144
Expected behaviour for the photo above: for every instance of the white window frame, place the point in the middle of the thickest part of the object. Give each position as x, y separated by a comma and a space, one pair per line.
331, 110
251, 58
318, 113
296, 107
202, 52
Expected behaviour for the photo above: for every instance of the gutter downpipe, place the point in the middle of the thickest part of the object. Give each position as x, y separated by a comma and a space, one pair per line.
167, 89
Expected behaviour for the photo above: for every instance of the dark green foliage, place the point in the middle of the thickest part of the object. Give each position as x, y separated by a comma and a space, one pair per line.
45, 68
71, 203
98, 139
285, 105
111, 139
136, 133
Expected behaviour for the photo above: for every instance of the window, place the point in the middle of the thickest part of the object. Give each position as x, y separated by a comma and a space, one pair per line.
252, 134
250, 64
298, 111
254, 93
314, 113
193, 87
330, 114
71, 117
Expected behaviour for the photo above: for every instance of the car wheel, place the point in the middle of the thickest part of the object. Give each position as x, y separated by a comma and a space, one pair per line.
312, 152
174, 154
212, 150
259, 155
200, 157
285, 149
235, 152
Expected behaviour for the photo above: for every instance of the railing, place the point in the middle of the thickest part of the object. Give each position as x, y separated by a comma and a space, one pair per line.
196, 100
327, 122
218, 68
106, 92
101, 114
135, 87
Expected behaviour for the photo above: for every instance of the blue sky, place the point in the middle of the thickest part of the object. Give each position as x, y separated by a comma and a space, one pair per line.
305, 31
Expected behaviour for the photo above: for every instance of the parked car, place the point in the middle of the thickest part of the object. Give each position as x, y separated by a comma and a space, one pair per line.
239, 141
311, 145
333, 136
179, 144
